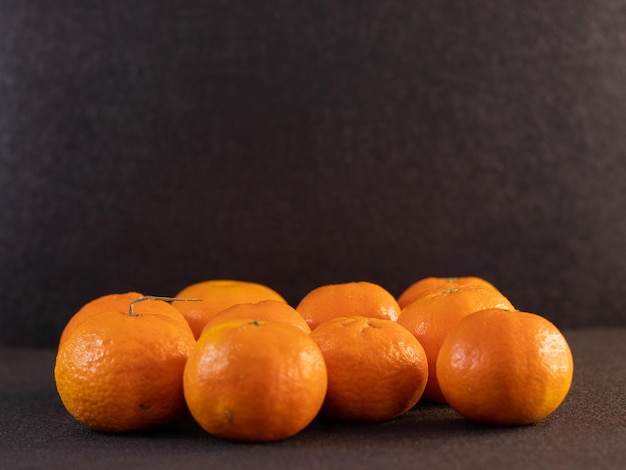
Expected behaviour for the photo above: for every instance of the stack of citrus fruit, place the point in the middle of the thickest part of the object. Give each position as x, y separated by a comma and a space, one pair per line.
250, 367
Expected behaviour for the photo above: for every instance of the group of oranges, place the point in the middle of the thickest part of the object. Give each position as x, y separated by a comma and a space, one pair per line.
250, 367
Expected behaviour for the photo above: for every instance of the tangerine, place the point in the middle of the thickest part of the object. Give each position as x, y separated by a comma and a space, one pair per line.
217, 295
439, 283
254, 380
432, 315
121, 372
265, 310
360, 298
505, 368
377, 370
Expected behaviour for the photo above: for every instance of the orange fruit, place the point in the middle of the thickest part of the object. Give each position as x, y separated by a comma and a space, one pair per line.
117, 372
439, 283
505, 368
433, 314
217, 295
350, 298
265, 310
377, 370
120, 302
254, 380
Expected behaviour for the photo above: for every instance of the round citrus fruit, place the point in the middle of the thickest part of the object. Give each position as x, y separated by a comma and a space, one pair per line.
122, 302
118, 372
217, 295
377, 370
255, 381
361, 298
433, 314
508, 368
265, 310
439, 283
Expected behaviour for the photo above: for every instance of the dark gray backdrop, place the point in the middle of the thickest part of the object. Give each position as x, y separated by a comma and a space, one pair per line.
147, 145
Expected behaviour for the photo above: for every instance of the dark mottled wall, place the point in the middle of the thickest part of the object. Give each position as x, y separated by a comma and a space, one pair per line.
148, 145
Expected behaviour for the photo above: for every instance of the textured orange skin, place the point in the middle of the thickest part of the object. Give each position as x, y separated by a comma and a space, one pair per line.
505, 368
432, 315
377, 370
120, 373
217, 295
351, 298
265, 310
98, 305
438, 283
255, 381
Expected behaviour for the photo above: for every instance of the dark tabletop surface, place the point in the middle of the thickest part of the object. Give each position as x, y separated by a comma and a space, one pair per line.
587, 431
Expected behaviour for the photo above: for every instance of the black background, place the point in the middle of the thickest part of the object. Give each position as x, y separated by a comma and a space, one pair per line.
148, 145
